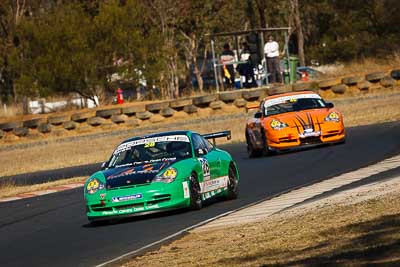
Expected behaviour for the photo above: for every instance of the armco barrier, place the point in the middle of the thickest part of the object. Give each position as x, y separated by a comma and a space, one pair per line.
133, 115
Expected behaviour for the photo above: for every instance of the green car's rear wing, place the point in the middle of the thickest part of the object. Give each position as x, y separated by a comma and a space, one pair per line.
213, 136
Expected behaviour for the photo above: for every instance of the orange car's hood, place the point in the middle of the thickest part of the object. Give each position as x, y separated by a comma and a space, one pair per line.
304, 118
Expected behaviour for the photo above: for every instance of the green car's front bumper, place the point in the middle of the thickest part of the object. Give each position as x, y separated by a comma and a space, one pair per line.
137, 200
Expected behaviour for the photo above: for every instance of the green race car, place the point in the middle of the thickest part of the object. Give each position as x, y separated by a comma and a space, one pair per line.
160, 172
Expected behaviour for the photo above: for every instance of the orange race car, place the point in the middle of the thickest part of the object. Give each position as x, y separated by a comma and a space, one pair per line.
291, 120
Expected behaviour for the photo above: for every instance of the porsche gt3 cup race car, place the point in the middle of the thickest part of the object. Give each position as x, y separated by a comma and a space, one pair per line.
160, 172
293, 120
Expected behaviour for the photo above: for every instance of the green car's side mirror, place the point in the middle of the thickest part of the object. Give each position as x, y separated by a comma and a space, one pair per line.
103, 165
200, 152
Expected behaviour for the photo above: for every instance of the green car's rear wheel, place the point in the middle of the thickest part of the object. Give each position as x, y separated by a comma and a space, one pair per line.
195, 196
233, 188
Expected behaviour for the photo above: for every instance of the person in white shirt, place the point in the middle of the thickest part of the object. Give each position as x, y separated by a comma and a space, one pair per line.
271, 51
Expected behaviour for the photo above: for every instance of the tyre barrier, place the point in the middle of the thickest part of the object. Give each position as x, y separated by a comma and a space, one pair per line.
203, 101
216, 104
339, 88
395, 74
32, 123
190, 109
307, 86
58, 119
21, 131
132, 115
326, 84
352, 80
254, 94
156, 107
119, 118
279, 90
81, 116
388, 81
95, 121
230, 96
9, 126
167, 112
180, 103
144, 115
69, 125
107, 113
363, 85
240, 103
132, 110
375, 77
44, 128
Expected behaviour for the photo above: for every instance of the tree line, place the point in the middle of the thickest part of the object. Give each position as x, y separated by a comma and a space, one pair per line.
50, 47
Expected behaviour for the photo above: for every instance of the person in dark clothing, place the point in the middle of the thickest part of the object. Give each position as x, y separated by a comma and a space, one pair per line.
247, 69
227, 59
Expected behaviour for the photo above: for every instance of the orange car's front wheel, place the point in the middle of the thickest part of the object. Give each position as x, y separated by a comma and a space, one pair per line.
251, 151
266, 150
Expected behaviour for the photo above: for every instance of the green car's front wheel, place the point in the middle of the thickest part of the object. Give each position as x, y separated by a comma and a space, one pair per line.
195, 196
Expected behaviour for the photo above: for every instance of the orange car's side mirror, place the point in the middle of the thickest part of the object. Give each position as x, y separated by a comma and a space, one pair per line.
329, 105
258, 115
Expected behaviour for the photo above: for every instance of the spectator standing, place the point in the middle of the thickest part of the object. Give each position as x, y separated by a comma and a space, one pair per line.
247, 69
227, 59
271, 51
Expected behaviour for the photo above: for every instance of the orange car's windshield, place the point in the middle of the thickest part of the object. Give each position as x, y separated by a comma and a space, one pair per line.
292, 105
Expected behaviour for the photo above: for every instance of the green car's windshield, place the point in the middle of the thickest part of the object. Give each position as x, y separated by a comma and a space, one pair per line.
151, 150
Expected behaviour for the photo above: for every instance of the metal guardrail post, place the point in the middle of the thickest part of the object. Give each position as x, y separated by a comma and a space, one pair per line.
215, 65
287, 56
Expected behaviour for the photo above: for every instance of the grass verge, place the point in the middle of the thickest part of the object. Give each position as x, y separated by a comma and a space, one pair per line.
342, 232
358, 110
372, 108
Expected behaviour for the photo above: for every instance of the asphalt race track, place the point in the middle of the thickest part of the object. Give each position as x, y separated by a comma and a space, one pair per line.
52, 230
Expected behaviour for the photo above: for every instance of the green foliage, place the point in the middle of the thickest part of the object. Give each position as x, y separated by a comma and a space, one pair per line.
350, 29
68, 50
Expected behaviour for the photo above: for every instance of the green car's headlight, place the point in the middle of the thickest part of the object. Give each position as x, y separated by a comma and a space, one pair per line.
167, 176
93, 186
278, 125
333, 116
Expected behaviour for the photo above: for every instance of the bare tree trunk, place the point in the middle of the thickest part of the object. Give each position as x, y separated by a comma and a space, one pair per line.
261, 6
188, 74
199, 78
192, 49
165, 17
299, 30
173, 90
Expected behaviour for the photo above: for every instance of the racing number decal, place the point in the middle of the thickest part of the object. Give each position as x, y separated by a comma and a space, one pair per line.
149, 144
205, 167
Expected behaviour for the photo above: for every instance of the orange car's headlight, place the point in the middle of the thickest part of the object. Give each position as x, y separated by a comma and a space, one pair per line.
278, 125
333, 116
